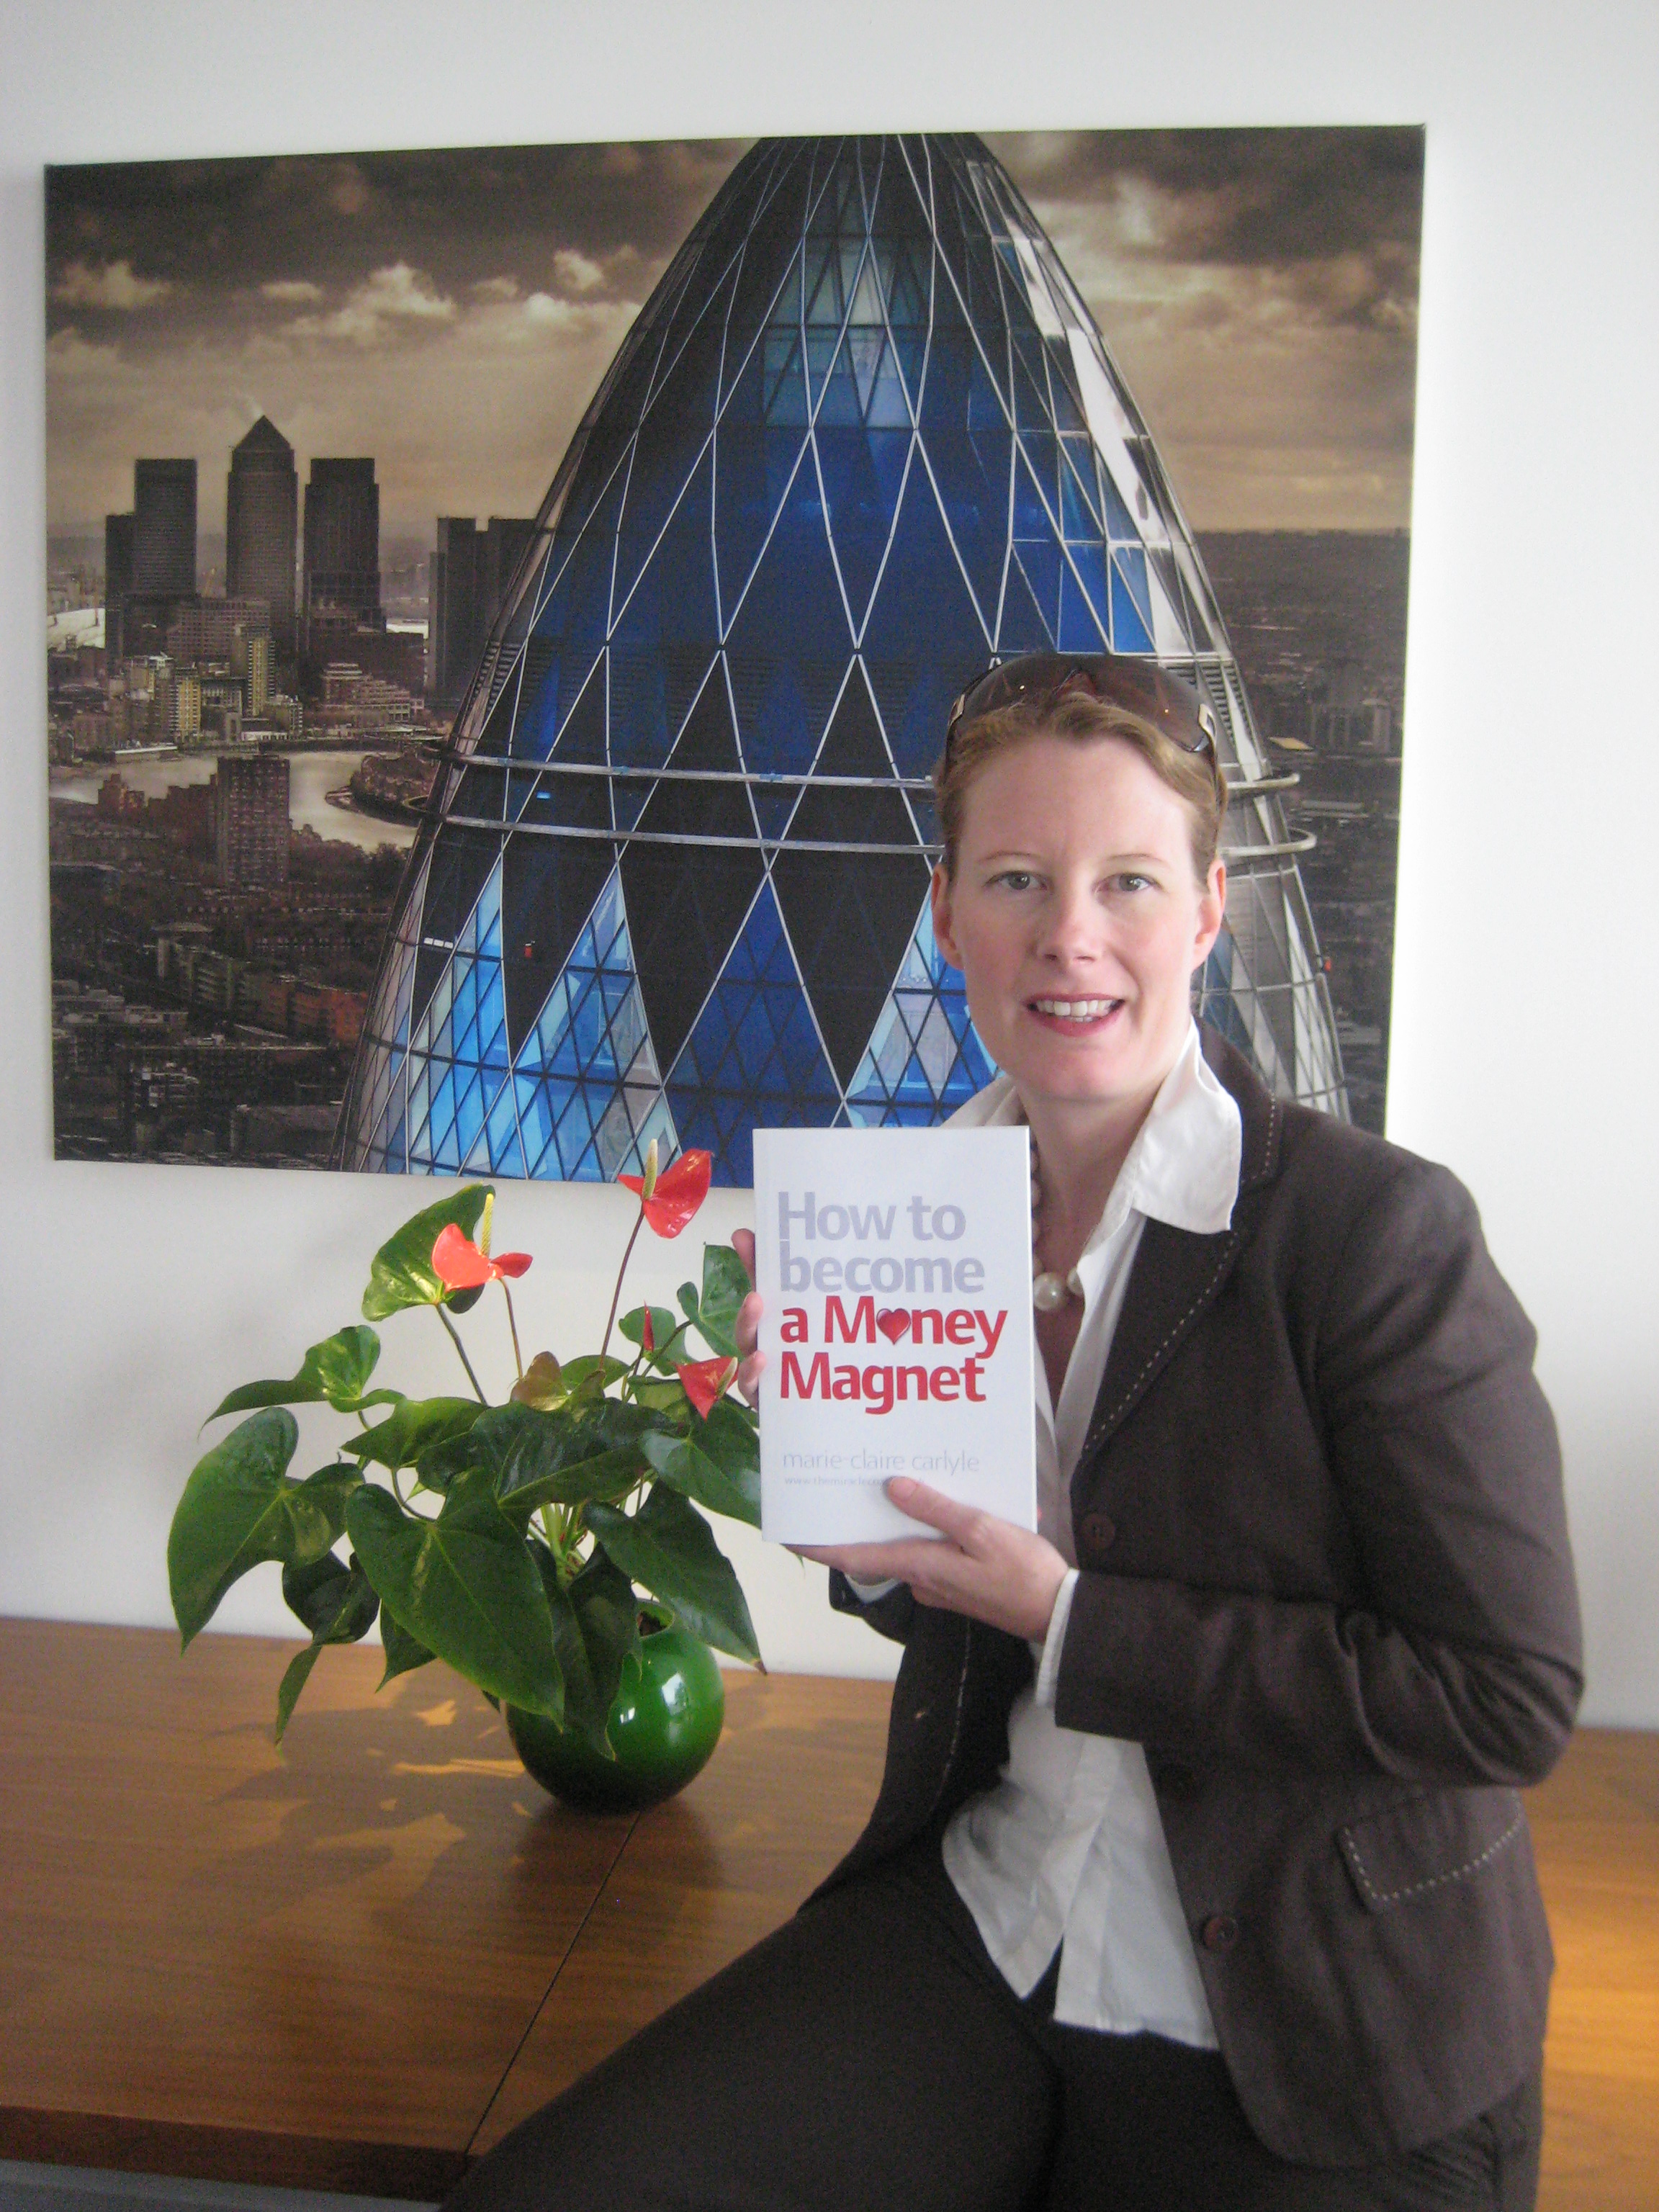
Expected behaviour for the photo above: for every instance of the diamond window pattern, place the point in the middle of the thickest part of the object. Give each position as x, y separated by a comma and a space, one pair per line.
864, 437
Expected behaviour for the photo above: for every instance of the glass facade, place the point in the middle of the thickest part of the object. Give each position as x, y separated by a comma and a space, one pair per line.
863, 436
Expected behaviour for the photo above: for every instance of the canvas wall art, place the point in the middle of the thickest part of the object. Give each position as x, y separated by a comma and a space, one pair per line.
504, 606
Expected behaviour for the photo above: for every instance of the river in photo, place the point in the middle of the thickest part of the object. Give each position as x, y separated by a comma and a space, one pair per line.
312, 774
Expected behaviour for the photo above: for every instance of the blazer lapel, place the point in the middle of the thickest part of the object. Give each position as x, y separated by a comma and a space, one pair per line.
1176, 1274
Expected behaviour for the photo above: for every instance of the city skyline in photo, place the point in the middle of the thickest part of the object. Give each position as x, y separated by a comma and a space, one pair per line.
451, 314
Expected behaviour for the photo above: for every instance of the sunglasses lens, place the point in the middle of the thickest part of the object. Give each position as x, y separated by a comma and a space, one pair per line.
1141, 685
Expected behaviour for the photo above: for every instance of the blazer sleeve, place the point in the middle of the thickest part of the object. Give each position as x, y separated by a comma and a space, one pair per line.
1453, 1656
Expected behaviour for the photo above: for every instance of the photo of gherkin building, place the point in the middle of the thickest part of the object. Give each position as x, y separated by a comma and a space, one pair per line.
864, 438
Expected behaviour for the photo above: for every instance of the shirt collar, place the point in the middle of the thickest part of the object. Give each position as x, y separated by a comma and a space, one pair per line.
1183, 1166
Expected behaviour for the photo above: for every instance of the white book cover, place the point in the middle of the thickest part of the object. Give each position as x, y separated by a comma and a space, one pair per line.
895, 1266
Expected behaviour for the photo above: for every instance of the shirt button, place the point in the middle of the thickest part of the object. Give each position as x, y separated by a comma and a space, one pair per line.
1099, 1531
1219, 1932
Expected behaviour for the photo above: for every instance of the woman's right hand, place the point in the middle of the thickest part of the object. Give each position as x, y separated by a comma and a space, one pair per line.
749, 1357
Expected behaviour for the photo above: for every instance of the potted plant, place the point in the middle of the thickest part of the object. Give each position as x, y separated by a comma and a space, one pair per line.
511, 1540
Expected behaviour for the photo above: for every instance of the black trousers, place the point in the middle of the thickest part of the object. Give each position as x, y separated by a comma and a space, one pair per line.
870, 2055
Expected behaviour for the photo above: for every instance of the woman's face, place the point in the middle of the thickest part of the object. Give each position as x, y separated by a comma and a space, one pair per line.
1076, 920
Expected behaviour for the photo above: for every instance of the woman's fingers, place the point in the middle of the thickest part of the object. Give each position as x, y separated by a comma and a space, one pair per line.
742, 1243
747, 1328
985, 1567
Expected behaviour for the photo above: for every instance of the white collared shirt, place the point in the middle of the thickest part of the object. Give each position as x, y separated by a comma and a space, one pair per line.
1067, 1850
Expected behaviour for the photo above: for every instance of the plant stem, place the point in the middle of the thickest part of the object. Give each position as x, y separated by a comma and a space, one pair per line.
616, 1295
518, 1357
461, 1349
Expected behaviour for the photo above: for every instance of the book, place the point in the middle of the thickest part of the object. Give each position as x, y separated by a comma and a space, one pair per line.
895, 1266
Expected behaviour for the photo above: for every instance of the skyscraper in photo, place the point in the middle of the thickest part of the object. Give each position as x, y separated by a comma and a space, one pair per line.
118, 585
863, 438
342, 568
251, 819
164, 529
471, 570
453, 642
262, 498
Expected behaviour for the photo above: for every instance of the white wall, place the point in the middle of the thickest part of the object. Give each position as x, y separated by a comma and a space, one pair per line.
1524, 1020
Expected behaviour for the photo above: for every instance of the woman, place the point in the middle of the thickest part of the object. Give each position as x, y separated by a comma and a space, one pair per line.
1197, 1875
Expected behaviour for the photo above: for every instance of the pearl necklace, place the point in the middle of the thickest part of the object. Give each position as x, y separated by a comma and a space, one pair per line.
1049, 1291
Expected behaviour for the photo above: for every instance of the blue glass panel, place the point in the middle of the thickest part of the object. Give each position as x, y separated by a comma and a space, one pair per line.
1080, 630
670, 437
789, 646
766, 259
925, 637
1032, 518
1089, 562
753, 463
754, 1057
1042, 453
1078, 518
667, 634
821, 284
1062, 393
1119, 522
1031, 409
863, 473
1039, 562
835, 387
571, 629
469, 1115
786, 395
1132, 561
1130, 632
968, 440
505, 1153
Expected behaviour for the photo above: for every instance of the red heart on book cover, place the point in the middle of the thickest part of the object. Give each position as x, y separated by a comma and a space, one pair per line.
894, 1322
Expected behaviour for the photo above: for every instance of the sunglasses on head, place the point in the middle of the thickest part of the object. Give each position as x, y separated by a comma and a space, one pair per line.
1050, 678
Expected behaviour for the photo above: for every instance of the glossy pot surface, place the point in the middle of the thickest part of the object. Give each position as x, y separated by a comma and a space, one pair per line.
664, 1722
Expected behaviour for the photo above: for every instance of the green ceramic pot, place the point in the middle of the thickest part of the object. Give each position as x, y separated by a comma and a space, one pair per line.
664, 1723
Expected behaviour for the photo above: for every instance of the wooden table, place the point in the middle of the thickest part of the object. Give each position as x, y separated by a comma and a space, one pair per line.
356, 1962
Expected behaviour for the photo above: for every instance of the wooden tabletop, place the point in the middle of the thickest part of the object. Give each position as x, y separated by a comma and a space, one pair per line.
355, 1962
348, 1963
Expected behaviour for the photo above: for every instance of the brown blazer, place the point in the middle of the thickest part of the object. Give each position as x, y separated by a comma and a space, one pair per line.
1327, 1584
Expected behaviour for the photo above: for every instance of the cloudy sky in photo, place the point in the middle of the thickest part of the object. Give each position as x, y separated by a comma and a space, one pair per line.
452, 313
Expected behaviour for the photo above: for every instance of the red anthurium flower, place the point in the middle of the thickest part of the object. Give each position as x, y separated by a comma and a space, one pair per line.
458, 1262
707, 1381
670, 1199
648, 1334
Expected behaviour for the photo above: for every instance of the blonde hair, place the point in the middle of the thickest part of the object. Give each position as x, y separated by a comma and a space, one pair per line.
1194, 778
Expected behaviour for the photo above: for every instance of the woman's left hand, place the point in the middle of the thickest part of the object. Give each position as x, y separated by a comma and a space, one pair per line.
988, 1568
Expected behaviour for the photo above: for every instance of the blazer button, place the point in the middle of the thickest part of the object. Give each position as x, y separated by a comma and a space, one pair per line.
1219, 1932
1099, 1531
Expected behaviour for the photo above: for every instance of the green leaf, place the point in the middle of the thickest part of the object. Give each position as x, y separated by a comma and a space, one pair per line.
336, 1369
595, 1626
731, 1436
336, 1604
542, 1383
677, 1461
411, 1429
333, 1600
403, 1651
401, 1272
669, 1548
590, 1375
466, 1587
239, 1508
568, 1457
668, 1398
725, 1285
